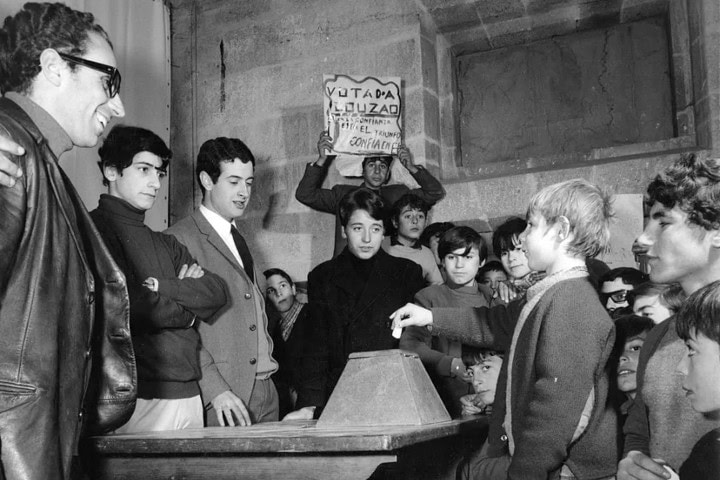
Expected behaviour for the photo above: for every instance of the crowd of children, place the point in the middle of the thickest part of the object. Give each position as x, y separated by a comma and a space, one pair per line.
584, 372
547, 342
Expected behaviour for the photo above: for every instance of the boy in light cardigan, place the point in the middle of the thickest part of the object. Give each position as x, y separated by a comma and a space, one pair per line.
551, 417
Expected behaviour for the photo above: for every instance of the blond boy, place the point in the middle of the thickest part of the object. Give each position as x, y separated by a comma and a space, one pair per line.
550, 416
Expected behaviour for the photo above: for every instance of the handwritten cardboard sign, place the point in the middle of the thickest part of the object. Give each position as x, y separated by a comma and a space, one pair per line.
363, 116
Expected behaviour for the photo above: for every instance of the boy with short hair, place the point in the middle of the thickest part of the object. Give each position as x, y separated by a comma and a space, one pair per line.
430, 238
287, 334
408, 217
376, 172
169, 293
506, 245
551, 414
698, 325
647, 300
631, 332
492, 274
350, 298
236, 355
484, 367
463, 252
682, 243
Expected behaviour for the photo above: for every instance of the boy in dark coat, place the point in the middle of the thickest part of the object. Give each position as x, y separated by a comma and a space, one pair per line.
169, 292
351, 297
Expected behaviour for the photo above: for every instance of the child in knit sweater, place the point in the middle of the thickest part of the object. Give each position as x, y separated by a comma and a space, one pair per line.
463, 251
408, 217
551, 417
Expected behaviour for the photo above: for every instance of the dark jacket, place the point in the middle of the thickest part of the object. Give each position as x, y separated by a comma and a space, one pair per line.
289, 355
63, 308
704, 460
164, 323
346, 315
310, 192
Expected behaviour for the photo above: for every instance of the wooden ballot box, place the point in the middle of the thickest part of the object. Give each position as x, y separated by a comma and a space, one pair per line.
385, 387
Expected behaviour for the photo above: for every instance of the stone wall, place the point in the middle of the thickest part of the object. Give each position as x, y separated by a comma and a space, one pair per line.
253, 70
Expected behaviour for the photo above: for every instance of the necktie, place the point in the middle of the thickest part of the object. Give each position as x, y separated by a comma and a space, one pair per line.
243, 251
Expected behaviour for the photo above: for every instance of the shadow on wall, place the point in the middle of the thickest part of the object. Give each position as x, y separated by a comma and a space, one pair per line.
297, 143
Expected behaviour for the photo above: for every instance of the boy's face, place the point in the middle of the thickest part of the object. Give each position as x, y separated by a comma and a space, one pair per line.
280, 293
230, 195
375, 173
701, 367
492, 278
410, 224
461, 269
650, 306
614, 293
678, 251
514, 261
539, 244
364, 234
137, 184
627, 366
485, 377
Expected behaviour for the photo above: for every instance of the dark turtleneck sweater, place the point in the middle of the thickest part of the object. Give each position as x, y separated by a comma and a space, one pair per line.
360, 271
163, 323
349, 304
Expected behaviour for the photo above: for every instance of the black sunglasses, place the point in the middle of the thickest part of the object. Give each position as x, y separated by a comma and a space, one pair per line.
618, 296
112, 84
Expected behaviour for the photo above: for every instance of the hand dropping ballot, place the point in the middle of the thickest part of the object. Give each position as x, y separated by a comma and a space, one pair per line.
410, 314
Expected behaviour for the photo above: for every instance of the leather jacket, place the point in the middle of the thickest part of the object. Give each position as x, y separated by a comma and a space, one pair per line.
64, 317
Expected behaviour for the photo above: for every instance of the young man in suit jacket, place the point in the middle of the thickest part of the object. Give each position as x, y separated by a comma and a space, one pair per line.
236, 358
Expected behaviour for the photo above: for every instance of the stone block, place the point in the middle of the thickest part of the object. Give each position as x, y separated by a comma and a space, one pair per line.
431, 115
449, 15
428, 65
413, 112
400, 58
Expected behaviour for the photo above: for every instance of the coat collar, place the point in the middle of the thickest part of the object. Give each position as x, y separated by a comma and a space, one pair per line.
44, 126
214, 239
68, 199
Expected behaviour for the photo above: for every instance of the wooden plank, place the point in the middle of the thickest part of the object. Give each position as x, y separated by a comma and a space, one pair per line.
252, 453
305, 467
280, 437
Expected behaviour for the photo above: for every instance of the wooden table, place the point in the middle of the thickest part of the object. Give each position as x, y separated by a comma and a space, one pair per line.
286, 450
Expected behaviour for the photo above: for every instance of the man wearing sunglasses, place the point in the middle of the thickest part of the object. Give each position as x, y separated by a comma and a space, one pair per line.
615, 285
61, 293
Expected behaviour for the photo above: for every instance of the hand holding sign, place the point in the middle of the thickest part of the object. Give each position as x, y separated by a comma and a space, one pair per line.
406, 159
324, 146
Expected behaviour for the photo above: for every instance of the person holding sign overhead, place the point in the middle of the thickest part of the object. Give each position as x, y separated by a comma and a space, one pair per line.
375, 174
